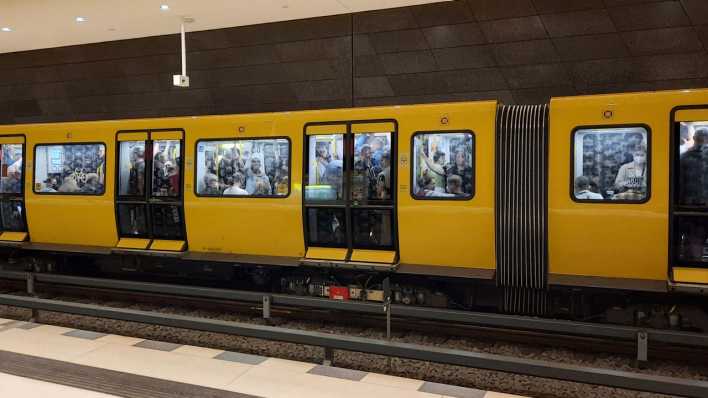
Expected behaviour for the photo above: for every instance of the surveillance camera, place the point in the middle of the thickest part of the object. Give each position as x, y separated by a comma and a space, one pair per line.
180, 80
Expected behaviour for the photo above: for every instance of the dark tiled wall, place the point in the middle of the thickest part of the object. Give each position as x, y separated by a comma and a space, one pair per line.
518, 51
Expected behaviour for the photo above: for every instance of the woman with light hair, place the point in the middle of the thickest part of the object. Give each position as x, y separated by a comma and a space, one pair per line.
256, 173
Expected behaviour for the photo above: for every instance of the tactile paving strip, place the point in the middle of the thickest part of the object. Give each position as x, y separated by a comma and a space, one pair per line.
103, 380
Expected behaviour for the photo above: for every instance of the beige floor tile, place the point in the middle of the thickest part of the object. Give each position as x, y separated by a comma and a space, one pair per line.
279, 383
4, 321
491, 394
197, 351
392, 381
287, 365
116, 339
51, 346
13, 386
50, 329
164, 365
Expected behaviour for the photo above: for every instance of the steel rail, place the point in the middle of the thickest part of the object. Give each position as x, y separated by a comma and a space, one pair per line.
530, 367
517, 322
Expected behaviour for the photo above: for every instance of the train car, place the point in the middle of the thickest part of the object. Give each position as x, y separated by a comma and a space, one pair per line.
588, 206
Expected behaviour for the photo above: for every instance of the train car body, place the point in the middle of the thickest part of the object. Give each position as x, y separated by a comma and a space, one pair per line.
587, 192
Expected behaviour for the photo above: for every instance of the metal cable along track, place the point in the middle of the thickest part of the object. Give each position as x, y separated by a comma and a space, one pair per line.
330, 342
521, 211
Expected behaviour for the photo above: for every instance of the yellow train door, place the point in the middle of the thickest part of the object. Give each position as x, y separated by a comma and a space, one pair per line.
688, 250
349, 201
149, 198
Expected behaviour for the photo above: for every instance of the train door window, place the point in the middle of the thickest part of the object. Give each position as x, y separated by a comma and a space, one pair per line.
443, 164
371, 174
131, 168
325, 168
611, 164
12, 216
249, 168
690, 215
70, 169
166, 168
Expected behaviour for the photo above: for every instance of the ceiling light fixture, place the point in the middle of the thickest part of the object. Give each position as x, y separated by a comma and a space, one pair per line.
81, 19
164, 7
6, 29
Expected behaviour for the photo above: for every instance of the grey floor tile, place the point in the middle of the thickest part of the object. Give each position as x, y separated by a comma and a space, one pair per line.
84, 334
157, 345
451, 391
241, 358
28, 326
340, 373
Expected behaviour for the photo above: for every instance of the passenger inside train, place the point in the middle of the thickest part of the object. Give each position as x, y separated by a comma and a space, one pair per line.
443, 165
611, 164
70, 169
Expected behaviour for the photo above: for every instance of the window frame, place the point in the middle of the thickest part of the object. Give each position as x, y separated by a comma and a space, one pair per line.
34, 168
571, 173
258, 138
474, 165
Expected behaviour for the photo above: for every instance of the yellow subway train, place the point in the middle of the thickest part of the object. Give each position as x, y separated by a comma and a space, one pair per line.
456, 202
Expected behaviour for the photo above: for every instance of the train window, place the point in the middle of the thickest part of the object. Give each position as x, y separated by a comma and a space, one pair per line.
11, 168
443, 165
245, 167
371, 175
165, 168
131, 180
611, 164
75, 169
325, 167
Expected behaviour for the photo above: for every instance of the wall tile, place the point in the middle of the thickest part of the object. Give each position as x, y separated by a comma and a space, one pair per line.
398, 40
526, 52
576, 48
651, 15
578, 23
662, 41
454, 35
486, 10
464, 57
408, 62
451, 12
514, 29
551, 6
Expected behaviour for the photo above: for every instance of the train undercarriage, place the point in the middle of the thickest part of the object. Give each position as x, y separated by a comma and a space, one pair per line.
622, 307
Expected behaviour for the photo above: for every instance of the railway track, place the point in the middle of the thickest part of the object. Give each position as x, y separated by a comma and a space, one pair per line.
327, 318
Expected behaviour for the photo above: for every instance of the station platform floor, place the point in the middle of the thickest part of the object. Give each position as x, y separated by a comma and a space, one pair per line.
49, 361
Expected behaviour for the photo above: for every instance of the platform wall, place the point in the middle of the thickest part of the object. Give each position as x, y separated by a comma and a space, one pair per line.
518, 51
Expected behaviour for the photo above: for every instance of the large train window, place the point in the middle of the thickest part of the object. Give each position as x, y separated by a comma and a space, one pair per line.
73, 169
243, 167
443, 165
611, 164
